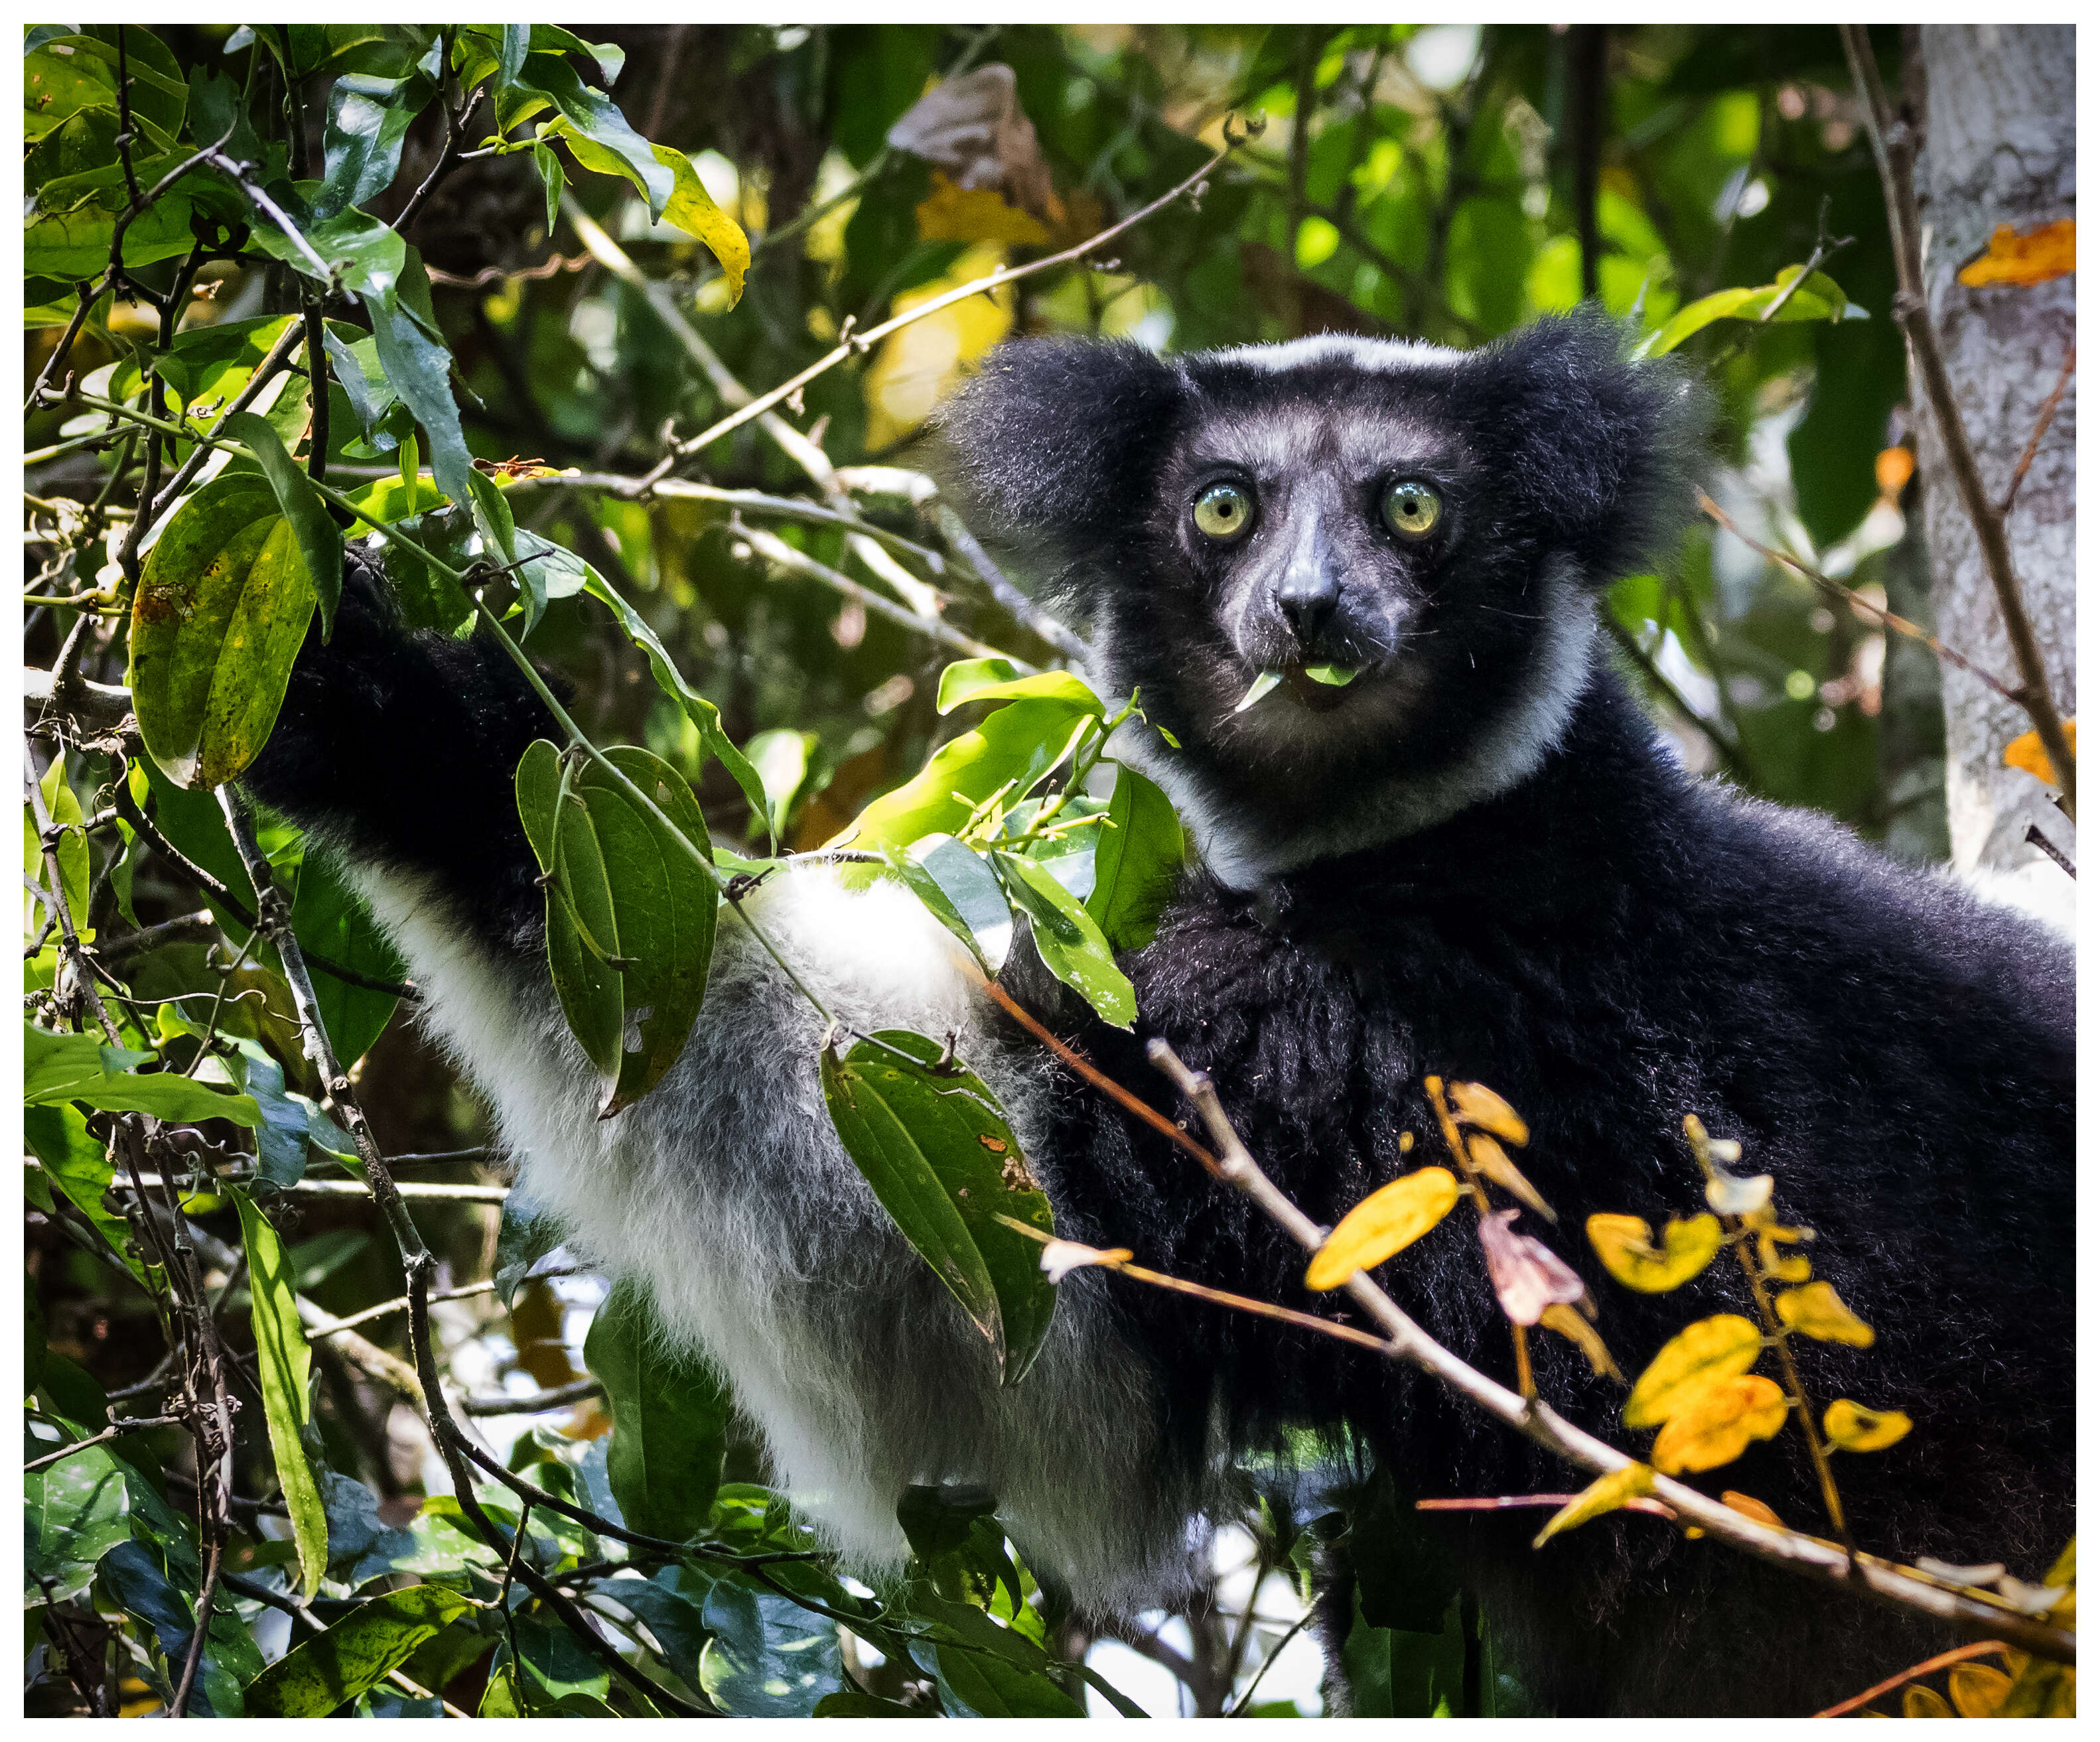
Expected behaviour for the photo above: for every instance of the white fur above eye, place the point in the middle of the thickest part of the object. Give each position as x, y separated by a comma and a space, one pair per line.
727, 1190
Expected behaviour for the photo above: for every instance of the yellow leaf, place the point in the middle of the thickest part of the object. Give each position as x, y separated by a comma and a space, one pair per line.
1578, 1331
919, 364
1494, 1166
1921, 1701
1476, 1104
1793, 1269
1892, 469
1850, 1427
1392, 1217
1714, 1430
2065, 1572
2041, 1689
1815, 1310
1701, 1355
2026, 753
1606, 1494
689, 207
1976, 1690
2035, 257
975, 214
1630, 1253
1751, 1508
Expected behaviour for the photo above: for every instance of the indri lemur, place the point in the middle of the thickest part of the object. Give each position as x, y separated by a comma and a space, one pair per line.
1475, 859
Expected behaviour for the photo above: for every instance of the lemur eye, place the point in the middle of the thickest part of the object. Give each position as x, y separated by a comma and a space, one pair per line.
1223, 512
1412, 509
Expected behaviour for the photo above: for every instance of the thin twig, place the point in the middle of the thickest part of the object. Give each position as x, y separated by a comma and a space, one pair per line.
1895, 156
1018, 606
2048, 416
1960, 1653
2036, 838
558, 1397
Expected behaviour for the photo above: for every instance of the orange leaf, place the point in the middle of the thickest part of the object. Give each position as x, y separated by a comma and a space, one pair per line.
1751, 1508
1717, 1429
2049, 251
1476, 1104
1892, 469
2026, 753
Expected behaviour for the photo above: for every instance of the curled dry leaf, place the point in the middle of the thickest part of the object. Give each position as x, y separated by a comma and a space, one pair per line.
1578, 1331
1495, 1167
1815, 1310
1717, 1429
2026, 753
972, 128
1529, 1275
1731, 1196
1393, 1217
1852, 1427
1751, 1508
1476, 1104
1608, 1493
1061, 1258
1630, 1254
1703, 1355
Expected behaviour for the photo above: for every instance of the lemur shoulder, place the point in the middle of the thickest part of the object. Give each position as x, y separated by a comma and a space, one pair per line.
1475, 860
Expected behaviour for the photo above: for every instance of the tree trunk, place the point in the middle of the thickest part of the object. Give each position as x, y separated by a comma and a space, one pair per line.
1997, 104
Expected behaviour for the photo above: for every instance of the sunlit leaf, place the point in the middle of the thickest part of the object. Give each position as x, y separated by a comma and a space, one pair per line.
1392, 1219
79, 1165
1627, 1248
1476, 1104
330, 1669
1704, 1354
1014, 747
74, 1512
690, 206
282, 1367
927, 1135
1921, 1701
963, 892
75, 1068
1608, 1493
70, 849
1815, 1310
1976, 1690
670, 1417
1263, 682
1818, 299
2029, 257
1000, 680
320, 540
1068, 939
1717, 1428
1563, 1319
367, 119
1853, 1427
1492, 1161
597, 120
1138, 860
221, 608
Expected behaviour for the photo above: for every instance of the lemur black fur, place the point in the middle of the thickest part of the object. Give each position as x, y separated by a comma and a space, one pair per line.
1476, 860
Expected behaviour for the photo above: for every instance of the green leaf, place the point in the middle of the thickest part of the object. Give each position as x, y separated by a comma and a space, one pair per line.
331, 1668
329, 916
319, 540
1138, 859
705, 716
1819, 299
962, 892
670, 1418
550, 169
769, 1657
927, 1135
367, 118
363, 382
1000, 680
596, 120
71, 850
73, 1513
993, 1671
636, 890
554, 1667
690, 206
57, 1068
282, 1369
852, 1703
79, 1165
74, 243
222, 609
523, 1238
1018, 744
781, 758
419, 367
1068, 939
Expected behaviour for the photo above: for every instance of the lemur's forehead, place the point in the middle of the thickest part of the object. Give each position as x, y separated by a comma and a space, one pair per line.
1356, 406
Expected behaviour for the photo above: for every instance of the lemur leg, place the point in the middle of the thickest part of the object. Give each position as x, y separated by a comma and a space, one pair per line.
726, 1188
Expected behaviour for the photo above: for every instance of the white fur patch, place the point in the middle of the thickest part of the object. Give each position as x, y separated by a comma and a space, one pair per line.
726, 1189
1351, 348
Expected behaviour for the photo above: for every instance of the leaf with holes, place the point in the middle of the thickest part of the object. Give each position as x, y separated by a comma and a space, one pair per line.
927, 1135
223, 606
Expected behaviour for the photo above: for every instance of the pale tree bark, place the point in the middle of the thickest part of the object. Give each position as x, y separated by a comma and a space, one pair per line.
1998, 110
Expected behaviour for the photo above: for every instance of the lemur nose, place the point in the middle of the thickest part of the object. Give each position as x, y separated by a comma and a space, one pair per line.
1308, 597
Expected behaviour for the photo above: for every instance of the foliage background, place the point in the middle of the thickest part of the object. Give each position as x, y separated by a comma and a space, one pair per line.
1436, 181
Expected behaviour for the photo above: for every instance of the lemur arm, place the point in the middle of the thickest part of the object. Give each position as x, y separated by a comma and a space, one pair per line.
398, 747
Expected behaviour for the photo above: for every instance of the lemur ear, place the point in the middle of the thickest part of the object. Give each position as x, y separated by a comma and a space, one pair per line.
1053, 442
1599, 452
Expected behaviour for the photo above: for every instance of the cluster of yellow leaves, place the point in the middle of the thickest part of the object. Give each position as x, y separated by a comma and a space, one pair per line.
1629, 1251
2026, 753
2033, 256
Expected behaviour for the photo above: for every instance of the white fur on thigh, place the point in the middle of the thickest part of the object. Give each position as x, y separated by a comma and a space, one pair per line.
727, 1191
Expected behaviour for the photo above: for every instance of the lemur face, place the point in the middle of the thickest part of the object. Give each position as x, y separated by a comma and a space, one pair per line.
1403, 538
